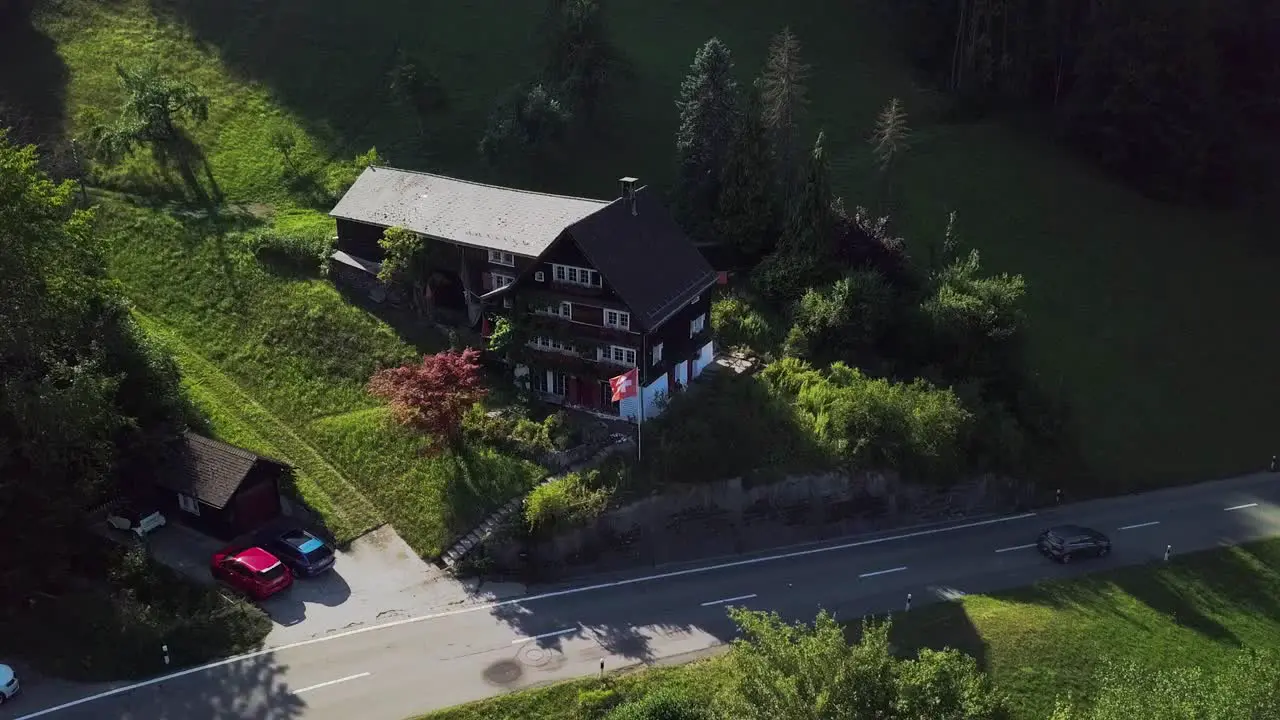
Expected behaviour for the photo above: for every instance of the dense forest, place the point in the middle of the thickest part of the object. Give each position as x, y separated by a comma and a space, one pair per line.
1180, 98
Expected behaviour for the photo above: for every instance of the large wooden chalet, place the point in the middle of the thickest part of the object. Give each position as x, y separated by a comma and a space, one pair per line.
601, 286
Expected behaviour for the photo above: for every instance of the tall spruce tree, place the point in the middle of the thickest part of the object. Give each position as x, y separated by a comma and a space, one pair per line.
808, 229
708, 106
889, 141
746, 215
785, 95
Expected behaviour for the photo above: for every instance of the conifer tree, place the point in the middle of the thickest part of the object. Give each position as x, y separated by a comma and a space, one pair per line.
708, 106
746, 213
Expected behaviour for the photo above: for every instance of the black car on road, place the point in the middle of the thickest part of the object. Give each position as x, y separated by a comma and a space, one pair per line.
305, 554
1067, 542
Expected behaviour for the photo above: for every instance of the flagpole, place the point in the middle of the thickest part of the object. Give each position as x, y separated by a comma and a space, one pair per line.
640, 395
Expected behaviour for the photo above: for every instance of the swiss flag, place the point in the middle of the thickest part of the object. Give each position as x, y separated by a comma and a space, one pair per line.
624, 385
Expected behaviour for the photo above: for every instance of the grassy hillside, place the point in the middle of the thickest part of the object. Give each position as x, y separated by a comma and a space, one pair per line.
1038, 643
1147, 317
278, 364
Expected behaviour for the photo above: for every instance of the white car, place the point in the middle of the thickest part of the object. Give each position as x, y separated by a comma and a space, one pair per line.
8, 684
139, 522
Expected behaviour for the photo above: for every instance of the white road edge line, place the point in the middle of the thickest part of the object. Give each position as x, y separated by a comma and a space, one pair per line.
1016, 547
728, 600
518, 601
1140, 525
565, 631
331, 682
883, 572
1240, 507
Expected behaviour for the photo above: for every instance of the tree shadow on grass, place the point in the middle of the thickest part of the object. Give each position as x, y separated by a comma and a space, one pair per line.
408, 325
936, 626
33, 86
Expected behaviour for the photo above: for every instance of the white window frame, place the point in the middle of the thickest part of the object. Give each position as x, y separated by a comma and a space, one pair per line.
189, 504
656, 352
621, 320
499, 278
618, 355
698, 324
539, 276
563, 309
506, 302
499, 257
553, 345
574, 275
559, 384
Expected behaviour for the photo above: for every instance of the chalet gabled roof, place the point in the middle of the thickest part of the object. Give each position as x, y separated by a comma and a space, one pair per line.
463, 212
208, 470
645, 257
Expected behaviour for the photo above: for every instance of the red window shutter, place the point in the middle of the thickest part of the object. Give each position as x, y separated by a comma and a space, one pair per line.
573, 390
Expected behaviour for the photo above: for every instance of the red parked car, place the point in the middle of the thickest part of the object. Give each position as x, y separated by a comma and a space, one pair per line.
253, 571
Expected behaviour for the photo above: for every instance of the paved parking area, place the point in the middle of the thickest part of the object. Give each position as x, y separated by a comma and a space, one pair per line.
377, 579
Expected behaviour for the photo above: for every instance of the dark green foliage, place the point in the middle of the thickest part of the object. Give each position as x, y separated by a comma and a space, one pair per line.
83, 401
746, 213
305, 251
863, 241
845, 320
580, 58
112, 627
1177, 97
798, 261
665, 703
341, 176
153, 105
708, 104
812, 672
867, 423
736, 324
417, 89
531, 121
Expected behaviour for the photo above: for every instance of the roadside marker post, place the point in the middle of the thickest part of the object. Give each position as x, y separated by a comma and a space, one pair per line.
601, 668
165, 650
908, 602
1167, 549
1058, 496
1273, 463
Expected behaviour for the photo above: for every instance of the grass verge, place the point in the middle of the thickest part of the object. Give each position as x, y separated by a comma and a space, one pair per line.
1038, 643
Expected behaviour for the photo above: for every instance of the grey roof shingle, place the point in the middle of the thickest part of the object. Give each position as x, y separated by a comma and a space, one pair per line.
646, 257
468, 213
208, 470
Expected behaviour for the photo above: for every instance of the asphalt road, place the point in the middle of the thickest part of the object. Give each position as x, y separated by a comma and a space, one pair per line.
465, 653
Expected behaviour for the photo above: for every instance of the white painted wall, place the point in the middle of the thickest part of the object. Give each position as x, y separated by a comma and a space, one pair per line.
682, 369
705, 356
629, 409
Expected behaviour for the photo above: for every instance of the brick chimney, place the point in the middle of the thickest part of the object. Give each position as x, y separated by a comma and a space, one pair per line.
629, 191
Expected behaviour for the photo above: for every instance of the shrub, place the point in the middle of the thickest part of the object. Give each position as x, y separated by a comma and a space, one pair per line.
565, 501
665, 703
737, 324
342, 175
842, 321
877, 424
305, 250
528, 121
593, 703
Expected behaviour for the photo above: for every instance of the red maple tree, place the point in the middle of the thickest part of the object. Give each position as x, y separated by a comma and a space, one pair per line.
432, 395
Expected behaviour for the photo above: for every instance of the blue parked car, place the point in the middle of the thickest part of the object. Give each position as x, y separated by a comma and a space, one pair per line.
304, 553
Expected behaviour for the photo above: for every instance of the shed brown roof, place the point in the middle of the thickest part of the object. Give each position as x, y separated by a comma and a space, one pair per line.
208, 470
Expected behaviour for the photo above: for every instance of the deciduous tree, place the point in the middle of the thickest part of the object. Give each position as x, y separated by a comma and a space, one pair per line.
433, 395
154, 103
708, 105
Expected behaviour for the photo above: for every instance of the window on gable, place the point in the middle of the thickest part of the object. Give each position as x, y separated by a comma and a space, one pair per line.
585, 277
617, 319
698, 325
498, 257
539, 276
506, 302
657, 354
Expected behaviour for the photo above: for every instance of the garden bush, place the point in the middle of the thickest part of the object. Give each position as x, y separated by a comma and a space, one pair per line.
737, 324
302, 250
665, 703
876, 424
844, 320
566, 501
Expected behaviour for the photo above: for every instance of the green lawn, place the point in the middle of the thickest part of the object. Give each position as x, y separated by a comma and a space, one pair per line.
278, 364
1040, 642
1148, 318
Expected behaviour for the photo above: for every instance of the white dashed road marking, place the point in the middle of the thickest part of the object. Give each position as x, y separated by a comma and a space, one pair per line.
727, 600
1240, 507
331, 682
566, 631
1016, 547
883, 572
1140, 525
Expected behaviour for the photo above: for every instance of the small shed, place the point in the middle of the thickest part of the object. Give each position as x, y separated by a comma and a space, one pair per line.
220, 489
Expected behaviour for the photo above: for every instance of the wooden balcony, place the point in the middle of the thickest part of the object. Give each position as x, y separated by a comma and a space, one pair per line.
567, 329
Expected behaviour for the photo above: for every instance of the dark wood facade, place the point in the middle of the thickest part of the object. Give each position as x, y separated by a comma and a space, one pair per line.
220, 489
